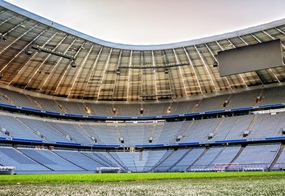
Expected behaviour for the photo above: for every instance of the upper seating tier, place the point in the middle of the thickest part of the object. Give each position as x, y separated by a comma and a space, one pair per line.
236, 100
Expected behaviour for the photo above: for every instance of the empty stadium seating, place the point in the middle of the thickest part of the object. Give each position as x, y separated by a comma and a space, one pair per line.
90, 133
21, 127
217, 102
249, 158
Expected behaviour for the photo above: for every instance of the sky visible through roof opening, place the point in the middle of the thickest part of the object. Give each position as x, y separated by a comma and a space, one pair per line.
143, 22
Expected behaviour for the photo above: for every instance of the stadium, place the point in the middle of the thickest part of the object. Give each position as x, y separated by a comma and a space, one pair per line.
71, 103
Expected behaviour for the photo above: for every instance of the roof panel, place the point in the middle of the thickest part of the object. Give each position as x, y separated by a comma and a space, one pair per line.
185, 69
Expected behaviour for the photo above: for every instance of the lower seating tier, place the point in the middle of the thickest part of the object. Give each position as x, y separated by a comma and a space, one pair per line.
220, 158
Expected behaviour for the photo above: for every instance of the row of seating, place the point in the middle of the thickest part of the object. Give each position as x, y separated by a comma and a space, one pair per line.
231, 158
235, 100
131, 134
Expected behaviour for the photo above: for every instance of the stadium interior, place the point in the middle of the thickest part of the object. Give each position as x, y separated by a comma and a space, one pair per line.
72, 103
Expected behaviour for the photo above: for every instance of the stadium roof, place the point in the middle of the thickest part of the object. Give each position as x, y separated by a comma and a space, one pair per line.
45, 57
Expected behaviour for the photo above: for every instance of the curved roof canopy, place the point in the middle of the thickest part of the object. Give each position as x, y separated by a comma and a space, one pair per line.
42, 56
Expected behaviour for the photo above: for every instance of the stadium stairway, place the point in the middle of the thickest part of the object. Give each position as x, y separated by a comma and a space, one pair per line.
276, 157
70, 161
99, 158
218, 126
116, 158
205, 151
38, 162
173, 159
185, 128
237, 155
187, 152
104, 158
211, 163
164, 157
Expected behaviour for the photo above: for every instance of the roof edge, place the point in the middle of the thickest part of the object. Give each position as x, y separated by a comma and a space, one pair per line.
60, 27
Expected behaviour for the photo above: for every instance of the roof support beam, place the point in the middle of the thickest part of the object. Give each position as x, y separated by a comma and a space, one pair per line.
180, 72
216, 60
194, 71
154, 72
68, 66
46, 50
39, 67
169, 75
23, 50
166, 65
91, 72
117, 74
8, 19
4, 67
243, 40
141, 72
206, 67
5, 34
80, 68
55, 66
129, 74
104, 73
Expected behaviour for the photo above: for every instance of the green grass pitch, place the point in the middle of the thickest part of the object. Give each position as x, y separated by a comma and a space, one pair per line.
129, 176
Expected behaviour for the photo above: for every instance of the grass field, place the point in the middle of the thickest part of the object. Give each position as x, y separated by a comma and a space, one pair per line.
219, 183
129, 176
